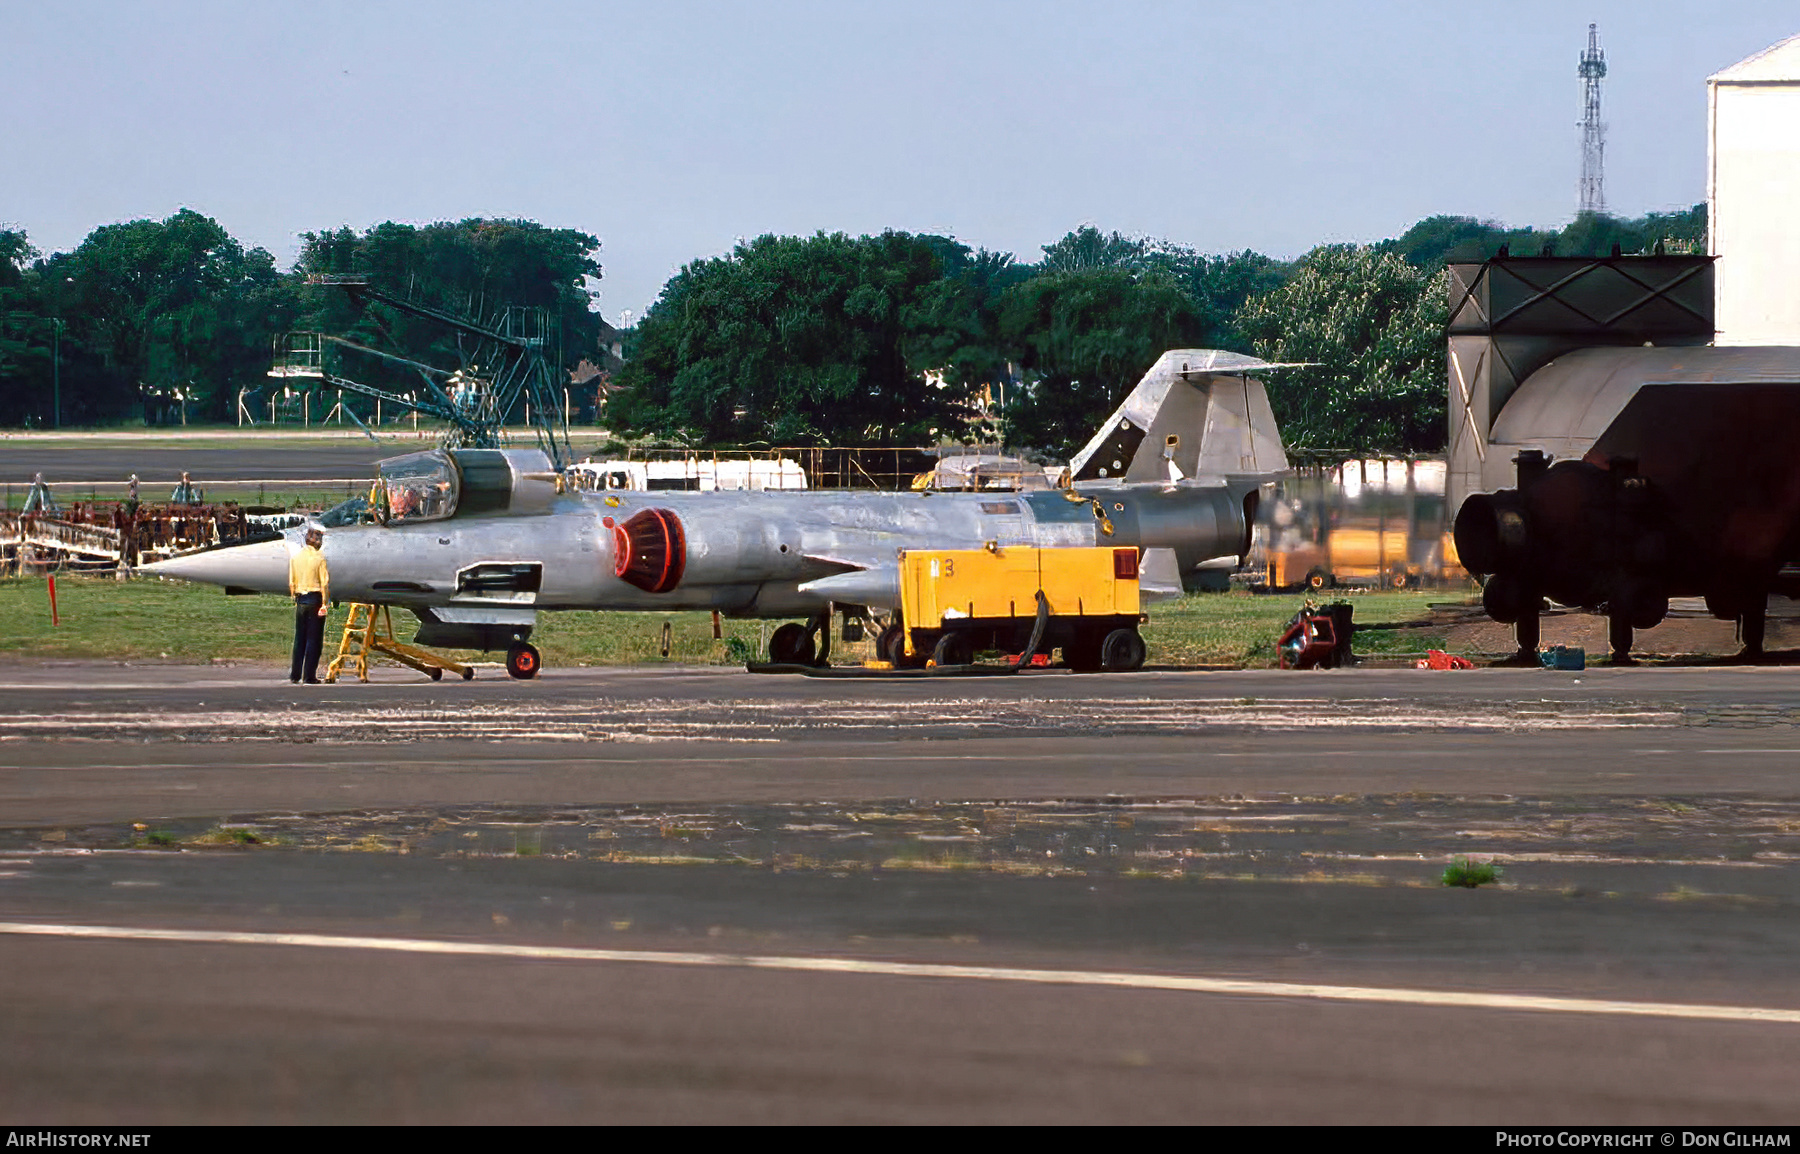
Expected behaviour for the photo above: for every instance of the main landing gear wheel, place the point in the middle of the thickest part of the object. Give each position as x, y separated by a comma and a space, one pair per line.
891, 645
792, 644
436, 675
468, 673
521, 661
1122, 651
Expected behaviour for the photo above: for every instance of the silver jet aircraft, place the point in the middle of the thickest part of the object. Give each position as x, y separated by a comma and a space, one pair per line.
476, 541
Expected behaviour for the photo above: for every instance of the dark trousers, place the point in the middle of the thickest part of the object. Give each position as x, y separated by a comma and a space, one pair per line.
309, 637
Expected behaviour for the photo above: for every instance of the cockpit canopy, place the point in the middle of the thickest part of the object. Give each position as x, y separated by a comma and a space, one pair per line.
443, 483
417, 487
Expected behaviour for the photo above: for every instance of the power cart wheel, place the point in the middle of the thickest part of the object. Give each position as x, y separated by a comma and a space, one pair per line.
1122, 651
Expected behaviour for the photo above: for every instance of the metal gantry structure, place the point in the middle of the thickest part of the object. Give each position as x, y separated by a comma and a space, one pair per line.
1592, 70
510, 367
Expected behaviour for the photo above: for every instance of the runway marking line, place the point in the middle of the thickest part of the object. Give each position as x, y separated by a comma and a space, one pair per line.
1100, 978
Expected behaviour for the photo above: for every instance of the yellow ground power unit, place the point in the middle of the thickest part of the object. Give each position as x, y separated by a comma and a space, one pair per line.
955, 603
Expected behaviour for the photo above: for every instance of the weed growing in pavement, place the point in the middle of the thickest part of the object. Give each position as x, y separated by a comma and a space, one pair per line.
226, 835
1469, 874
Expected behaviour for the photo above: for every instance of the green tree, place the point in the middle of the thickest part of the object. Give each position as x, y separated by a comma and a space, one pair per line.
1596, 234
23, 331
1218, 285
1439, 240
821, 339
1098, 311
1372, 325
478, 268
16, 255
1083, 338
161, 306
1087, 248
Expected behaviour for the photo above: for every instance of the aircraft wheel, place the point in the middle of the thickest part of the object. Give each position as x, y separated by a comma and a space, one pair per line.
891, 645
1724, 604
1401, 579
791, 644
437, 674
1504, 599
1318, 579
468, 673
522, 661
1644, 608
954, 648
1122, 651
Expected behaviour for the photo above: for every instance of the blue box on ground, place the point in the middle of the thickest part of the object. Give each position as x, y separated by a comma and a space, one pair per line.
1570, 657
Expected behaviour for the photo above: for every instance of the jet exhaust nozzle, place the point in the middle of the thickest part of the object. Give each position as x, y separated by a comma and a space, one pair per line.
650, 550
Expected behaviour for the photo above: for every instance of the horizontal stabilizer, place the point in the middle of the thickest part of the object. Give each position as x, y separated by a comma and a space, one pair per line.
1159, 575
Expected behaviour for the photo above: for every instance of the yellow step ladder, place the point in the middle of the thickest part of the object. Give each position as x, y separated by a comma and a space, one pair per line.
370, 629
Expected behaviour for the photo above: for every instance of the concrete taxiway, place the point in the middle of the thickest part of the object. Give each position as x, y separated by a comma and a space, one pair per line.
657, 894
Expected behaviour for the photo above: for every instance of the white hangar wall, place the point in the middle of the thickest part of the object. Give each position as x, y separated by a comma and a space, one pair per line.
1753, 196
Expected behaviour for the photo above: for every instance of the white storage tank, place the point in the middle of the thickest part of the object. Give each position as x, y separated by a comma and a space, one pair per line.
1752, 188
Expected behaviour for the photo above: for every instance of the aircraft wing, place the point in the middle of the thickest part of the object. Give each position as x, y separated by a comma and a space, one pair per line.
853, 557
874, 584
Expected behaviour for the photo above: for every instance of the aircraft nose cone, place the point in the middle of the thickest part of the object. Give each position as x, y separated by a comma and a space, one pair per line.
258, 565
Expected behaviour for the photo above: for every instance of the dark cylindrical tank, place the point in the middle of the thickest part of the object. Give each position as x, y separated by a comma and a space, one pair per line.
1676, 475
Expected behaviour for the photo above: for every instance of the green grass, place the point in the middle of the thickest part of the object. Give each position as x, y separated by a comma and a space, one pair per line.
1469, 874
139, 620
148, 619
1240, 629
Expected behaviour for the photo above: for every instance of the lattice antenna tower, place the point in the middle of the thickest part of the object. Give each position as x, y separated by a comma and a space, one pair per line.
1593, 132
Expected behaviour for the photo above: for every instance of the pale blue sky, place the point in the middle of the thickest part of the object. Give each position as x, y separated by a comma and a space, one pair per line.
671, 129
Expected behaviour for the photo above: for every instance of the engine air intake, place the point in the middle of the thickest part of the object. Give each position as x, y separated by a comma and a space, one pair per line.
650, 550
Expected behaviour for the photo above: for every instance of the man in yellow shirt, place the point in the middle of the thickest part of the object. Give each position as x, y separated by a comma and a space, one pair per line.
309, 584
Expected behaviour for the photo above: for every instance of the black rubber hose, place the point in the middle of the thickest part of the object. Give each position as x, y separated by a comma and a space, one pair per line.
1037, 633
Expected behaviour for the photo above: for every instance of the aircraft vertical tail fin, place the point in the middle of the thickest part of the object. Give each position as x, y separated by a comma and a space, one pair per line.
1196, 412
